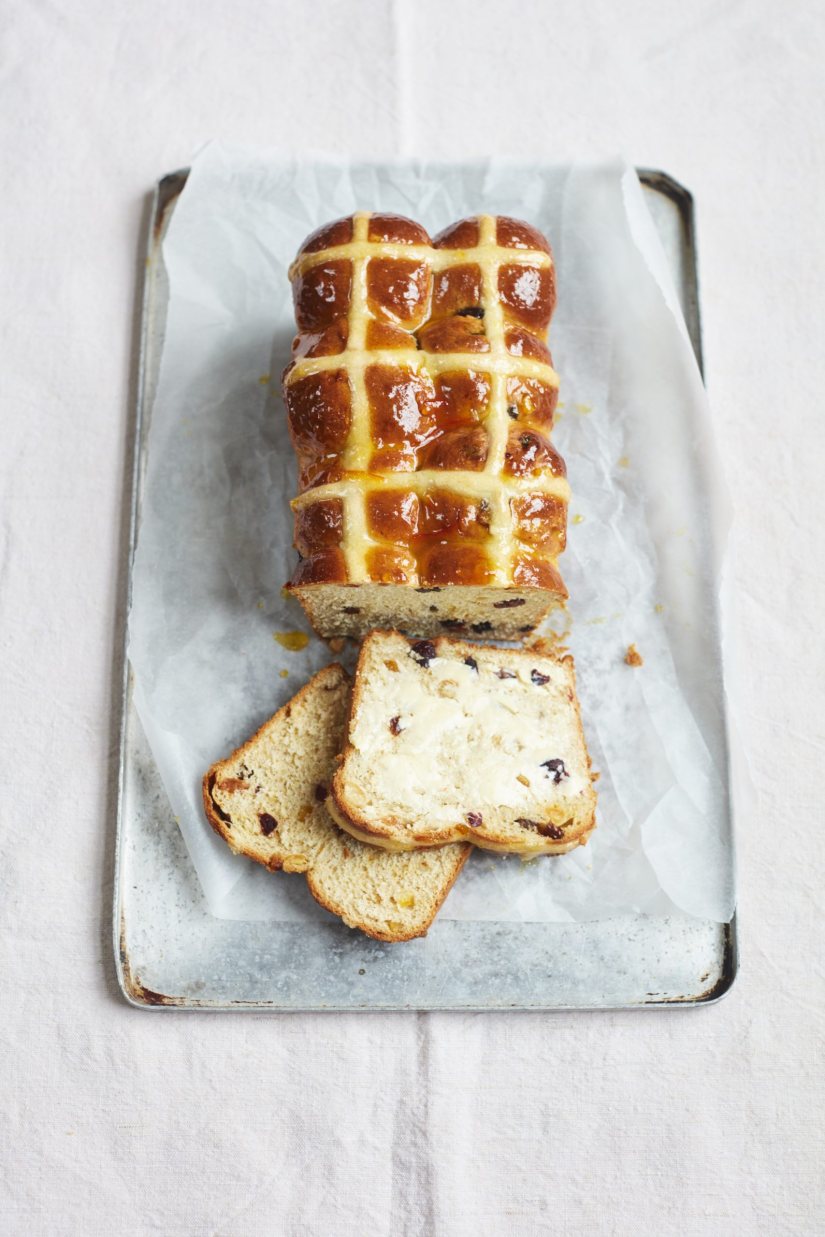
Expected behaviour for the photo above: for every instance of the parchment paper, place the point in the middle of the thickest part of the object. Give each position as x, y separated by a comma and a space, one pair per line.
648, 524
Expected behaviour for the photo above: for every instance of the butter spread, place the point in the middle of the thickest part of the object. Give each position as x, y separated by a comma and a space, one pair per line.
466, 738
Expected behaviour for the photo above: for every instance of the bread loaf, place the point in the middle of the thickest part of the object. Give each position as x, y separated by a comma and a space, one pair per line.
267, 801
450, 741
420, 400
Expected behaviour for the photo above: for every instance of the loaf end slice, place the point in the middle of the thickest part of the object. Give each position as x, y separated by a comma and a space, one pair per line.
268, 802
451, 741
448, 610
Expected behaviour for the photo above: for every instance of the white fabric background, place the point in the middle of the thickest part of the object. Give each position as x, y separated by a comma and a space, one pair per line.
115, 1121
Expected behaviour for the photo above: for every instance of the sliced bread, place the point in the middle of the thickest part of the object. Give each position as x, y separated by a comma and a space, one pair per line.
450, 741
267, 801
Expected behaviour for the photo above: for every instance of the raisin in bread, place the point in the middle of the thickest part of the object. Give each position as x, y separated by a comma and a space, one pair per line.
267, 799
421, 399
450, 741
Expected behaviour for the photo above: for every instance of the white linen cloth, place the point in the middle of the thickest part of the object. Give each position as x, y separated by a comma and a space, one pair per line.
116, 1121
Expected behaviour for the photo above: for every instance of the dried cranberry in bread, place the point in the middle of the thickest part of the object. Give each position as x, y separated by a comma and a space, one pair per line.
421, 382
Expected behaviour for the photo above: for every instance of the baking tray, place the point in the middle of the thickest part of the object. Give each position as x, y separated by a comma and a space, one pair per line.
171, 952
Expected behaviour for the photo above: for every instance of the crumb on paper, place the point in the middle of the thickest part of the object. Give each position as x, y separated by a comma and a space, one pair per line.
659, 608
284, 674
336, 644
260, 605
624, 461
265, 379
583, 409
294, 641
577, 519
633, 657
285, 593
550, 643
594, 622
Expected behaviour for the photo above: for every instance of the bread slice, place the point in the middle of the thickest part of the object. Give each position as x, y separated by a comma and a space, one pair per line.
450, 741
267, 801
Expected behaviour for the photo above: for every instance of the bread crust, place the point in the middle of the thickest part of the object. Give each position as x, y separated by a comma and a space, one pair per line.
386, 834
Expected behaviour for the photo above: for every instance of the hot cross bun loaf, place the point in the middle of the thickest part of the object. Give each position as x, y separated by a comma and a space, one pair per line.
420, 399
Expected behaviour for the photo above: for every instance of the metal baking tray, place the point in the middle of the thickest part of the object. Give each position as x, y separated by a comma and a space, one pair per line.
171, 952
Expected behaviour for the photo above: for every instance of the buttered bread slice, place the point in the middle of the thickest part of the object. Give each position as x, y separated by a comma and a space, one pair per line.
449, 741
267, 801
421, 398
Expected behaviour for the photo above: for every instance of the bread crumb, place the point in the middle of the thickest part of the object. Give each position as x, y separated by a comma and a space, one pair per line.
551, 644
265, 379
633, 657
336, 643
284, 674
624, 461
577, 519
545, 645
583, 409
659, 608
